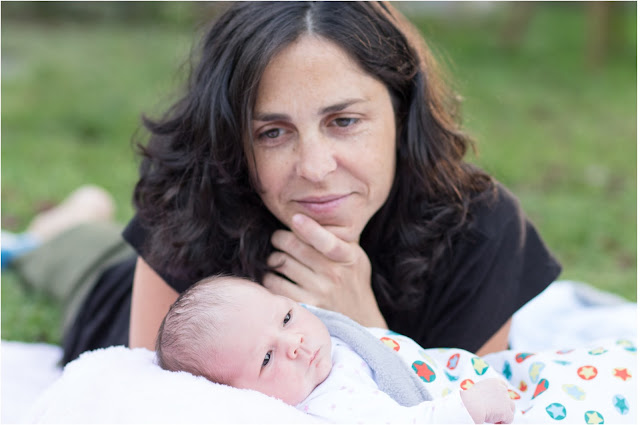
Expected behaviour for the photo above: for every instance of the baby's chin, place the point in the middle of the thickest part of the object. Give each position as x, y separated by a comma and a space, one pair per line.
324, 369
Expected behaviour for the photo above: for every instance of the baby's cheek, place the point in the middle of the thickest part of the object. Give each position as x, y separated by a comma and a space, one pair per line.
296, 394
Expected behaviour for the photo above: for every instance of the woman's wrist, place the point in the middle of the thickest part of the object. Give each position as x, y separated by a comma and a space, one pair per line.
374, 319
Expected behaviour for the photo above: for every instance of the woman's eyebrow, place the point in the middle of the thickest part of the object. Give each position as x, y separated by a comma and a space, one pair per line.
339, 106
271, 117
323, 111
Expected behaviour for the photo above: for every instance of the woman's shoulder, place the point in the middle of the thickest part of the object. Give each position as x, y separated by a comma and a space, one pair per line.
496, 210
506, 231
135, 234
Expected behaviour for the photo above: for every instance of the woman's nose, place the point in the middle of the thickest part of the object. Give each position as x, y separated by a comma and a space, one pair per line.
315, 157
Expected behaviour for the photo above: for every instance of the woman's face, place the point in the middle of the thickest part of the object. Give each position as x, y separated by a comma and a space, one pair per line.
324, 138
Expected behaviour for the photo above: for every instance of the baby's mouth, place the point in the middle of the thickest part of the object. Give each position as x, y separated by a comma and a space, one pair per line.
313, 358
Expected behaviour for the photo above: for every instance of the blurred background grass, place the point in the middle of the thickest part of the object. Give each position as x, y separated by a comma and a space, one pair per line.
549, 95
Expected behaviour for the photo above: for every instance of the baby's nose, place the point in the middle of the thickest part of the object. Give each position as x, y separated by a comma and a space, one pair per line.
294, 342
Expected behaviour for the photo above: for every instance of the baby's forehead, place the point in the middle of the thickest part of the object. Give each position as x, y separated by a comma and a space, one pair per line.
232, 282
233, 286
244, 303
237, 295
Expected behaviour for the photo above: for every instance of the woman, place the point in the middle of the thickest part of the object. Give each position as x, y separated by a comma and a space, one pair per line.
317, 151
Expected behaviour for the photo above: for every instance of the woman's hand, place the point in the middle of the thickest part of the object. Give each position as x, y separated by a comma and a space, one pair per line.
328, 272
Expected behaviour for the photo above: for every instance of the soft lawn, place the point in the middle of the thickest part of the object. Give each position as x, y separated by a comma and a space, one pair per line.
559, 133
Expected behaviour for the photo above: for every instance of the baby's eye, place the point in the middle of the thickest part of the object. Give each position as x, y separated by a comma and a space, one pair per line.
266, 359
345, 122
286, 318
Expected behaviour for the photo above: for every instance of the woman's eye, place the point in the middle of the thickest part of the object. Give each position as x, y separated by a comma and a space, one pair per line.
266, 359
287, 318
272, 133
345, 122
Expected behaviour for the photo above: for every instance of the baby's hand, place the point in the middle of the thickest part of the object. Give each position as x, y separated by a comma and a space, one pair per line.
488, 401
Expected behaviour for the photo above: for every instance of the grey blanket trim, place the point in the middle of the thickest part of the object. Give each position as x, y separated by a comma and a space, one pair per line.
393, 376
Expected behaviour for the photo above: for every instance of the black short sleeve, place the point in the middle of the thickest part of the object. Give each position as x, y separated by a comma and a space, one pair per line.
136, 235
492, 271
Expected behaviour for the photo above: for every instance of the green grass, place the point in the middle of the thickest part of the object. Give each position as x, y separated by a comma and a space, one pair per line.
559, 133
561, 136
72, 98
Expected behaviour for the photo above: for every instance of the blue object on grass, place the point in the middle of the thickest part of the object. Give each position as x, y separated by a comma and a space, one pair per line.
16, 244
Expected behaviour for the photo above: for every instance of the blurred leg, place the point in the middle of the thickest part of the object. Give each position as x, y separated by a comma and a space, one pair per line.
66, 266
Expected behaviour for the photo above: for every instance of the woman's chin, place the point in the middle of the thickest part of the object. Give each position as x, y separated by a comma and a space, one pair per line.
346, 233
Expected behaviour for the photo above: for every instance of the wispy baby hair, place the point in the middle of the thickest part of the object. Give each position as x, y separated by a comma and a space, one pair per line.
187, 336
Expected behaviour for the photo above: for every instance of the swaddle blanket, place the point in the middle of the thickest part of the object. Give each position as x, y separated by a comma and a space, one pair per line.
593, 384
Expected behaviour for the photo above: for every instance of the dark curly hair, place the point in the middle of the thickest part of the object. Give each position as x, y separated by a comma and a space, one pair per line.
195, 196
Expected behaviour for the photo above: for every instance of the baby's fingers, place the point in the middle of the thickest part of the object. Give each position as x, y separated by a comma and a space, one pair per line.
509, 413
502, 412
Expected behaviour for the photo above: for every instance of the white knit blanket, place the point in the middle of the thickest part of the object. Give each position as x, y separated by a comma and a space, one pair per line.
119, 385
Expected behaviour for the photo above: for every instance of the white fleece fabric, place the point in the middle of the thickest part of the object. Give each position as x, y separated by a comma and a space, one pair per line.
119, 385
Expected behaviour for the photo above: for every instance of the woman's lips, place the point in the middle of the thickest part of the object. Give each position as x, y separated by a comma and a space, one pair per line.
322, 204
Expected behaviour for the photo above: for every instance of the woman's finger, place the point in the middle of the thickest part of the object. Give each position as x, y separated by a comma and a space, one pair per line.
292, 268
281, 286
290, 243
322, 240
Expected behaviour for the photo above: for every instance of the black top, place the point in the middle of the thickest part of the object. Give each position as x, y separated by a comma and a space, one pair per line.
494, 270
502, 264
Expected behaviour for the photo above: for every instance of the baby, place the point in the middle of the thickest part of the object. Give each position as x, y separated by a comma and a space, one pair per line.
235, 332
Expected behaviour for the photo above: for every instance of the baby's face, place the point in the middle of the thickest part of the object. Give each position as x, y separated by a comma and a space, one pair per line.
273, 345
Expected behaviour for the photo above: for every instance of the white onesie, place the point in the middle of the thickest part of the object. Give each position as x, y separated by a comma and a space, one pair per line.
350, 394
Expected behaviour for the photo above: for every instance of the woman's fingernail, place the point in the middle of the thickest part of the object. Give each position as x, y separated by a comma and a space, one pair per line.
297, 219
